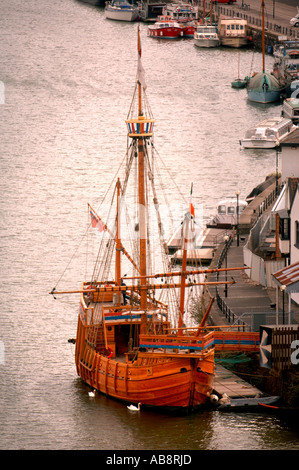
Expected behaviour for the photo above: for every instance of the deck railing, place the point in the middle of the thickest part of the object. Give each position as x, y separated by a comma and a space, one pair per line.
253, 18
236, 341
225, 309
174, 343
220, 340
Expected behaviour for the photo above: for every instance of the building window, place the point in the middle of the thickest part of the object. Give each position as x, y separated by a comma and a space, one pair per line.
284, 229
297, 233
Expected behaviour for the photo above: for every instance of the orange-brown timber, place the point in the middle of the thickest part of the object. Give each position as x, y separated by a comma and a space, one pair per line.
154, 378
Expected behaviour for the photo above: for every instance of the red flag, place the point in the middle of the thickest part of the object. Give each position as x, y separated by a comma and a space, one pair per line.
96, 221
139, 42
93, 220
191, 205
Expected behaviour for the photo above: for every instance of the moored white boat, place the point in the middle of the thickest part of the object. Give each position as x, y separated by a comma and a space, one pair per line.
268, 133
181, 11
227, 213
233, 32
290, 109
121, 10
206, 36
165, 28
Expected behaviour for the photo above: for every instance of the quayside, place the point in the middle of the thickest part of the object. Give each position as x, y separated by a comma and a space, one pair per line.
132, 343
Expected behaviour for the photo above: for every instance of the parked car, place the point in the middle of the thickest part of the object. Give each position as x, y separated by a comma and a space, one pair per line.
295, 21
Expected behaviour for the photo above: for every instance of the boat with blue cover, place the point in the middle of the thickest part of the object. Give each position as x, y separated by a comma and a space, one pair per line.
263, 87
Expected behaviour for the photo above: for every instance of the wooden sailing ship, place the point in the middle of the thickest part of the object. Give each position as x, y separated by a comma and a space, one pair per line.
127, 345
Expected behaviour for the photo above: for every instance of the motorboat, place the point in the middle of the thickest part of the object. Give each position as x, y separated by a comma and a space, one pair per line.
185, 14
165, 28
268, 134
189, 27
206, 36
180, 11
227, 213
121, 10
233, 32
286, 54
290, 109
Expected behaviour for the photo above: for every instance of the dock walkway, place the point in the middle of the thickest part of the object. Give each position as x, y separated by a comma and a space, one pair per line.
246, 299
277, 16
243, 296
233, 386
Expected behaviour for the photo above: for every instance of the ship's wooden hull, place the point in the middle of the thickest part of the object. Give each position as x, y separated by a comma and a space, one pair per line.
154, 379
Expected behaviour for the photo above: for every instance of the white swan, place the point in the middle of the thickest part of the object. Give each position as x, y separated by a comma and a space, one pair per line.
224, 399
92, 394
134, 408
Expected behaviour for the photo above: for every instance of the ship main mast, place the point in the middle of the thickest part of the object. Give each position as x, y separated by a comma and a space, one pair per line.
140, 129
142, 208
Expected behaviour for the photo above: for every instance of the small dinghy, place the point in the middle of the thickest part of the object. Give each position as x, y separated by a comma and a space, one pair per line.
248, 404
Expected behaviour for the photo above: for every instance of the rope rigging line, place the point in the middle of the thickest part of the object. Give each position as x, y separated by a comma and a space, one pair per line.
171, 295
71, 258
88, 225
173, 180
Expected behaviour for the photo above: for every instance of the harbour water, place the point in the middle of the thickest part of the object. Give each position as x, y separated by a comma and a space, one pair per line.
67, 78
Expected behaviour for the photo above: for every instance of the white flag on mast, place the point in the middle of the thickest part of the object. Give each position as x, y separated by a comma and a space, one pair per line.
140, 69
